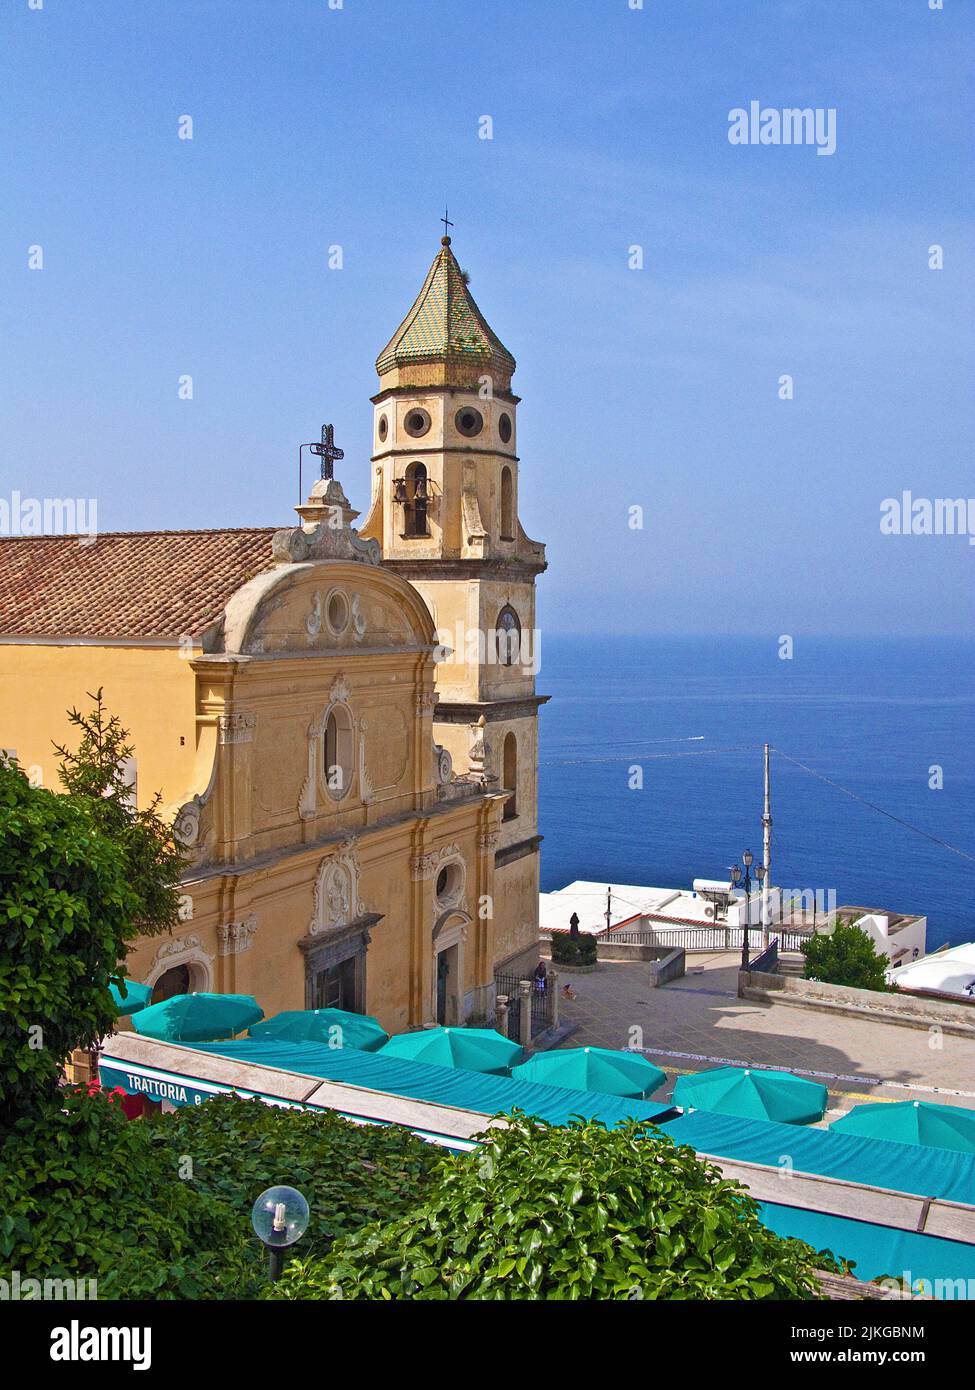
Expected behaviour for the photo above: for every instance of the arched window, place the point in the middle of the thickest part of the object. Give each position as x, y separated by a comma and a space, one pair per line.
510, 776
337, 753
416, 500
508, 636
174, 981
507, 506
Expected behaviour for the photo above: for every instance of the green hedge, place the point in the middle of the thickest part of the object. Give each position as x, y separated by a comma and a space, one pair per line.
160, 1207
573, 950
582, 1212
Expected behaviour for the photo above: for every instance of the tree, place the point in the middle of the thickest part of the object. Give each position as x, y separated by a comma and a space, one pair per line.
583, 1212
845, 956
81, 875
95, 773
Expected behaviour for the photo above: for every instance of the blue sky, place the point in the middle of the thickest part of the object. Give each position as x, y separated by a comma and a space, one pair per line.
658, 388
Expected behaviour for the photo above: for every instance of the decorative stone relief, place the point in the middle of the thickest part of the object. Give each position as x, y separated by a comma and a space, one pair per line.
429, 865
313, 623
336, 900
367, 791
480, 750
192, 824
308, 796
444, 763
236, 728
358, 617
178, 946
237, 937
340, 690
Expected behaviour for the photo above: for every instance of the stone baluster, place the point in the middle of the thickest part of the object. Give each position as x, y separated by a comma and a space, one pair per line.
525, 1002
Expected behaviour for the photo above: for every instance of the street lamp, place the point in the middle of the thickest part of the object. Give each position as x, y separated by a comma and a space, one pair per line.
279, 1217
748, 859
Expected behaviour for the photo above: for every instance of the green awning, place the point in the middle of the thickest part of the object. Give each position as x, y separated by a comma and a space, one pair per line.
912, 1122
198, 1017
593, 1069
472, 1049
336, 1027
131, 997
753, 1094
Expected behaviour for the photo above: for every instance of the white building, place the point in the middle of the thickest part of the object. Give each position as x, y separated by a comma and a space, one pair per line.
900, 937
949, 972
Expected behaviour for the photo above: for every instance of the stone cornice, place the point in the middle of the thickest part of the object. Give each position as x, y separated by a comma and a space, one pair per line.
518, 707
499, 567
517, 851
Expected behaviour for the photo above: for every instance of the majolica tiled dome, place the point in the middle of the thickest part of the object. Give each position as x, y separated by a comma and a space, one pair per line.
445, 339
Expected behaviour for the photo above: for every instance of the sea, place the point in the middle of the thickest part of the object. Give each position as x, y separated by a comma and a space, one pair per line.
651, 766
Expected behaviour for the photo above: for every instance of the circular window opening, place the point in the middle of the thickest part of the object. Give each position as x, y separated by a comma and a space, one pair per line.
450, 882
337, 611
383, 429
504, 428
469, 421
417, 422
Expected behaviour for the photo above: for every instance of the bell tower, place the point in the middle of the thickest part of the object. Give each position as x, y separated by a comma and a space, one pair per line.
445, 513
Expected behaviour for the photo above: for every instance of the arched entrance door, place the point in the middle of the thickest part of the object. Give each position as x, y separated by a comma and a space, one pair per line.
449, 938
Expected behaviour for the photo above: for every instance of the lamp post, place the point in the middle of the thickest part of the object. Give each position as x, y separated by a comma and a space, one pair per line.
748, 859
280, 1218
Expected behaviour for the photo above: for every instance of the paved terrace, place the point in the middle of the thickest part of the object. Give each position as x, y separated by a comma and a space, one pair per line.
701, 1016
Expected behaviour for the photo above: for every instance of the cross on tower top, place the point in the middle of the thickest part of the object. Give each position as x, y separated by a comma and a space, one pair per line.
327, 451
446, 223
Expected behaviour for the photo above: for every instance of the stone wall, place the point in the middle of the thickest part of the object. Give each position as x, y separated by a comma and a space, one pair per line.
909, 1010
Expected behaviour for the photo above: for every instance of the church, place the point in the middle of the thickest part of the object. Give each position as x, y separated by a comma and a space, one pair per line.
342, 723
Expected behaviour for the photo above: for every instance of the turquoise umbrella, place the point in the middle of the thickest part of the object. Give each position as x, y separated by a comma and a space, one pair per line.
468, 1049
593, 1069
912, 1122
198, 1017
130, 997
754, 1095
337, 1027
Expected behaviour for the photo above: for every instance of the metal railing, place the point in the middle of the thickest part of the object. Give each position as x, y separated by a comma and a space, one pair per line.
706, 938
768, 961
542, 1006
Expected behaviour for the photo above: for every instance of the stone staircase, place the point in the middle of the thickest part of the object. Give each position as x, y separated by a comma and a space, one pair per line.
791, 963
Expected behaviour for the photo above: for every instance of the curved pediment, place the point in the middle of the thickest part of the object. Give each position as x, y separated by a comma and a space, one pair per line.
319, 606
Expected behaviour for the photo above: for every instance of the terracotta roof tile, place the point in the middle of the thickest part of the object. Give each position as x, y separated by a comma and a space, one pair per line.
138, 584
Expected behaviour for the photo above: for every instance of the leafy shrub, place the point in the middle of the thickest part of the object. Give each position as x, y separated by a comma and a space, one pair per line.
160, 1207
573, 950
845, 956
540, 1212
84, 1195
350, 1174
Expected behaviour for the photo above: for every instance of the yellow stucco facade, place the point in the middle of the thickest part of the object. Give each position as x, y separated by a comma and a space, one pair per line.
356, 792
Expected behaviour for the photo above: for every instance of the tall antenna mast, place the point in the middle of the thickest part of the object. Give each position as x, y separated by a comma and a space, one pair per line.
767, 848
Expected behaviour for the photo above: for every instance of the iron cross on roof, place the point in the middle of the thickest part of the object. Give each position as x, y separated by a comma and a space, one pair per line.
446, 221
327, 451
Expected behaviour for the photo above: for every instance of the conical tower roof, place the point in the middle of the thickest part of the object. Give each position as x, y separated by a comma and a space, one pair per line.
445, 339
